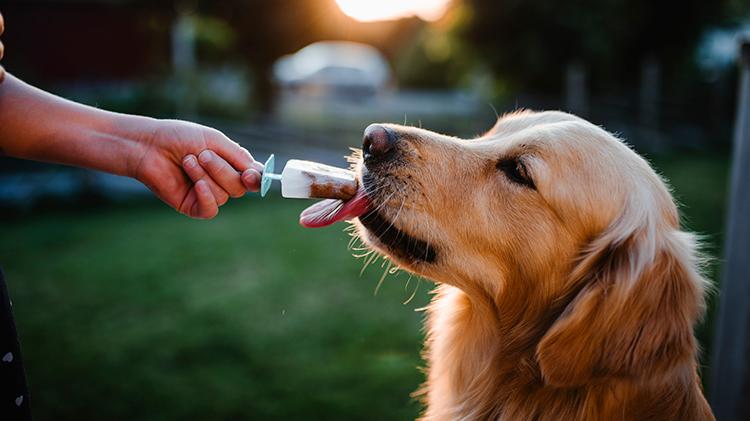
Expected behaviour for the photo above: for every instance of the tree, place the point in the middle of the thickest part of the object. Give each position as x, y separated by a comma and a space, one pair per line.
529, 42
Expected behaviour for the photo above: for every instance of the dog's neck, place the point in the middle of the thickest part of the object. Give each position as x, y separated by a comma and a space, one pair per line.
483, 341
516, 318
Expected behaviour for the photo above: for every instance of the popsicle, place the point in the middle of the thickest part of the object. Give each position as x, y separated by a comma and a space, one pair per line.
308, 180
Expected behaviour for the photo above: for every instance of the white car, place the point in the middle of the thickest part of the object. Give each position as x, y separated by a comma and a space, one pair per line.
334, 68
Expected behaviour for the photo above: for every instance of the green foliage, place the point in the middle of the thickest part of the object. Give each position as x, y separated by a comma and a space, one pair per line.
437, 58
737, 10
215, 39
529, 42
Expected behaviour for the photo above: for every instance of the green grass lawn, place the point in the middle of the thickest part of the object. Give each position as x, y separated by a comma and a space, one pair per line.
137, 312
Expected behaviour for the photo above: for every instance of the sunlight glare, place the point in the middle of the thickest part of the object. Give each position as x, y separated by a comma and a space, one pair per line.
375, 10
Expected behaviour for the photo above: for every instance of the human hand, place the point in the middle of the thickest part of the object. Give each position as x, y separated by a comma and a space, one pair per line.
2, 49
193, 168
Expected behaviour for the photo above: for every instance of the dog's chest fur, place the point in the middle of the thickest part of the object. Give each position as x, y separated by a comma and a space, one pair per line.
472, 375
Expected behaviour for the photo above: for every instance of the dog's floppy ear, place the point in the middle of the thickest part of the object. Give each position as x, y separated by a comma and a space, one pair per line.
641, 295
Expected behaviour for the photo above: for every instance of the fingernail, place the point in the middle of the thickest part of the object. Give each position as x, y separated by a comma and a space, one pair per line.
206, 156
190, 161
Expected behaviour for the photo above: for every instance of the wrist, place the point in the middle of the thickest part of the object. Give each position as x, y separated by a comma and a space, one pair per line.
133, 136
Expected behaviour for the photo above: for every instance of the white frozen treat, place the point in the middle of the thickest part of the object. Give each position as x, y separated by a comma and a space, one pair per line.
306, 179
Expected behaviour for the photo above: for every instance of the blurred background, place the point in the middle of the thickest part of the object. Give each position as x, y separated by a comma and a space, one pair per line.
129, 310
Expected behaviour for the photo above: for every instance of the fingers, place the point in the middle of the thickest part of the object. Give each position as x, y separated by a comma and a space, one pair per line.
215, 180
197, 173
237, 156
200, 202
224, 169
205, 206
222, 173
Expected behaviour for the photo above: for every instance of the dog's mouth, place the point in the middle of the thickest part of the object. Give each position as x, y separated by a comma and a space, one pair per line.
362, 206
398, 243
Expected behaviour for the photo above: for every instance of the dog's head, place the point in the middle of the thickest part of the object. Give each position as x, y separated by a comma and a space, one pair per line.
521, 200
553, 211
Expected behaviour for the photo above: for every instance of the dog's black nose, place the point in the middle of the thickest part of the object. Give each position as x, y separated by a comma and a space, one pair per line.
378, 142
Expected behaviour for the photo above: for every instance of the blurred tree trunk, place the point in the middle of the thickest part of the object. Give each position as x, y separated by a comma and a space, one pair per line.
648, 113
649, 97
576, 94
730, 385
184, 61
264, 89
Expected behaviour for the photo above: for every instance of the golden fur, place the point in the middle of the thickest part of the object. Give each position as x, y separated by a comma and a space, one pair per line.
572, 300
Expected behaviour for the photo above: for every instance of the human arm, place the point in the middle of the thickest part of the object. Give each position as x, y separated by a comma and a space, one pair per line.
40, 126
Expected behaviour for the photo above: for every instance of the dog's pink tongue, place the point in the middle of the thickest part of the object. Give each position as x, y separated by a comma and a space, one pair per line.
330, 211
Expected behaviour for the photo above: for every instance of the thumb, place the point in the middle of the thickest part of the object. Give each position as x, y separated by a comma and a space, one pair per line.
251, 180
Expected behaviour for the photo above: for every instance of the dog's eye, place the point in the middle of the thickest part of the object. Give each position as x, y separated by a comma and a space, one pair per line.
516, 171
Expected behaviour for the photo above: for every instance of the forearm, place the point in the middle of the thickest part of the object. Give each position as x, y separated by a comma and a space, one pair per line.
40, 126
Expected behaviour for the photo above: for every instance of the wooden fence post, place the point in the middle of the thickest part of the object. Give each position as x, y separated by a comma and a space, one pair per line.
730, 380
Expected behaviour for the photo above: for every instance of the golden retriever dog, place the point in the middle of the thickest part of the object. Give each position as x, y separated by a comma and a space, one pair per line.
566, 288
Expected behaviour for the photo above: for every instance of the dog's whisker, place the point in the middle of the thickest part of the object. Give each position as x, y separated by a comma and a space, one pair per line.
359, 256
382, 278
393, 221
371, 259
381, 206
364, 255
382, 203
416, 289
360, 247
354, 238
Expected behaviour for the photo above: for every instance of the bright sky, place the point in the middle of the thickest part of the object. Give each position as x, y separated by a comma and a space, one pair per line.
373, 10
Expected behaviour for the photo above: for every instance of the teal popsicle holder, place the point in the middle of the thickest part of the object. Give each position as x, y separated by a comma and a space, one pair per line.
268, 176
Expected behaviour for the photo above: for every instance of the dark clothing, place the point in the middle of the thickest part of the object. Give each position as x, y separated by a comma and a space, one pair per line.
14, 394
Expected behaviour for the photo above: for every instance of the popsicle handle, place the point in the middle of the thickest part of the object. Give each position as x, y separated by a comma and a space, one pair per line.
268, 176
